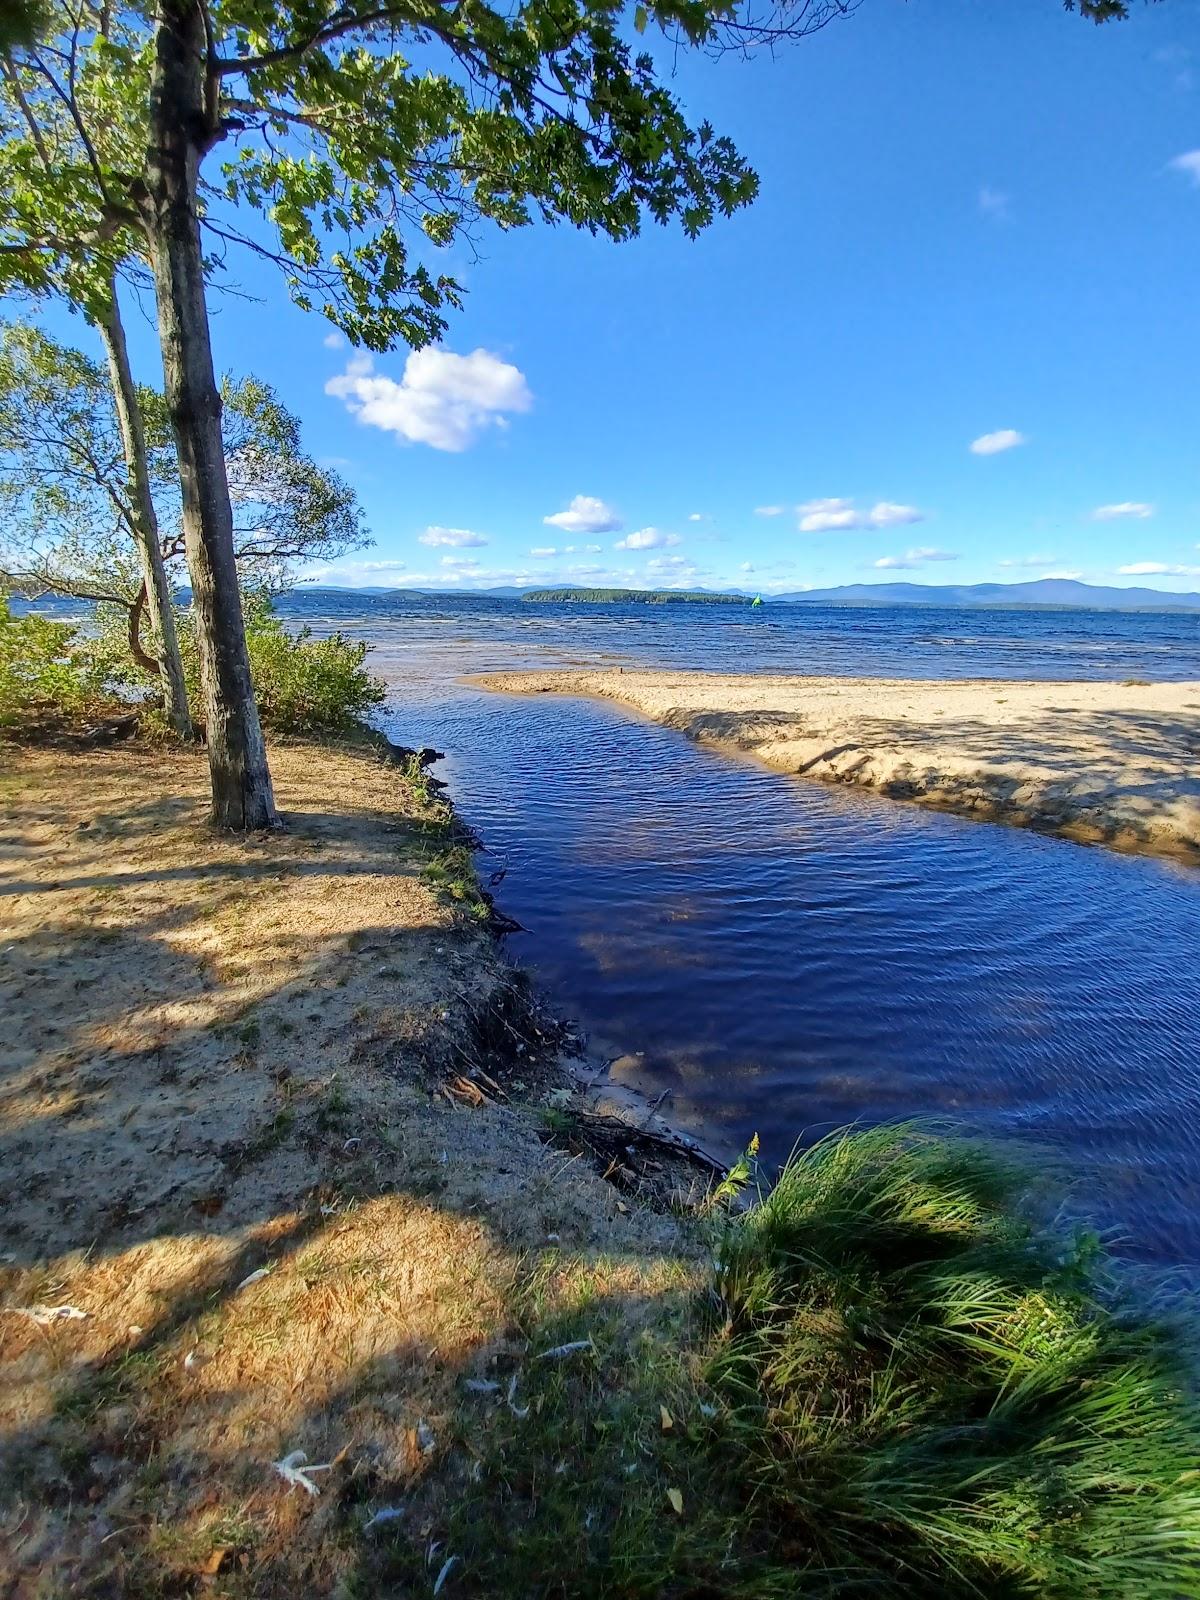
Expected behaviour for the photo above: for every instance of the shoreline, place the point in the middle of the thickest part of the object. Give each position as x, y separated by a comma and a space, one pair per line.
284, 1134
318, 1276
1108, 763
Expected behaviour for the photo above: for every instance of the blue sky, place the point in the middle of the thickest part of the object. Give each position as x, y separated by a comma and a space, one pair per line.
956, 339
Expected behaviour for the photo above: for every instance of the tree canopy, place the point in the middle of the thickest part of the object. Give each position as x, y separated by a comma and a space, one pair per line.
67, 523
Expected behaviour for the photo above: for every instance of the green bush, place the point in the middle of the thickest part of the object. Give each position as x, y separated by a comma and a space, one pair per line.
303, 684
44, 676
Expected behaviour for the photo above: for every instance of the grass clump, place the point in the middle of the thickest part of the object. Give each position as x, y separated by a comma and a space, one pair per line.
933, 1396
895, 1385
451, 874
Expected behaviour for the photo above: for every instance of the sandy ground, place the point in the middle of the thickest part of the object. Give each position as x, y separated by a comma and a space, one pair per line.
1114, 763
247, 1206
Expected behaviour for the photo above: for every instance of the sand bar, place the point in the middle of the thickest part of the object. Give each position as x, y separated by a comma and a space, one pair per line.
1111, 763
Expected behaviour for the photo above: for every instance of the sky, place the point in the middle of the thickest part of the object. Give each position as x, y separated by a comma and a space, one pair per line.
955, 340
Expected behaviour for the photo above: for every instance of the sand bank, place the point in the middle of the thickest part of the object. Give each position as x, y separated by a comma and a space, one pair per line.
1111, 763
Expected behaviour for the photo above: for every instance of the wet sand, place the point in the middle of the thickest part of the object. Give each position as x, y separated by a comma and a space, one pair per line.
1110, 763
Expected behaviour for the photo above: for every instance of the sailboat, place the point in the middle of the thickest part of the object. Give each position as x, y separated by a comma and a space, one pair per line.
757, 601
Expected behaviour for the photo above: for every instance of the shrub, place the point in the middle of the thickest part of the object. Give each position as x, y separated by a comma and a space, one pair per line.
44, 676
303, 684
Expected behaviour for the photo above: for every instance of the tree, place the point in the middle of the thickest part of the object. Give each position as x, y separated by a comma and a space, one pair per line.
46, 124
68, 524
366, 129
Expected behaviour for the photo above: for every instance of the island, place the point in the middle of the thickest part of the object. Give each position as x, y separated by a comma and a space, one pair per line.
638, 597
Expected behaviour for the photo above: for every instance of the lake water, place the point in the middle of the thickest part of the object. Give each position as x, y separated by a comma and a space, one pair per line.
785, 957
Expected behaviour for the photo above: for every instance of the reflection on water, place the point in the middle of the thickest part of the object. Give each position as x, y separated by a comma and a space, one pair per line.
786, 957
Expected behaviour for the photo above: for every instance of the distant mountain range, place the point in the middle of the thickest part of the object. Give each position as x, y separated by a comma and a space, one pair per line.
1053, 593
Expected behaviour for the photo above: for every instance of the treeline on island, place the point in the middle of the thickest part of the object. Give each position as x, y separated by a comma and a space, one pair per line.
636, 597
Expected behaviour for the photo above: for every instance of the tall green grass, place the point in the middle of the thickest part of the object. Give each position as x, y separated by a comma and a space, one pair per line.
895, 1386
932, 1397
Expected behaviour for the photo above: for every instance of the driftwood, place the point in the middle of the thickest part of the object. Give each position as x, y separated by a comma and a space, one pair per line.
113, 730
634, 1158
401, 755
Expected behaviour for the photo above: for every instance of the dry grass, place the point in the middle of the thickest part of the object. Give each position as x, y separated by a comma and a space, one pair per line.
224, 1055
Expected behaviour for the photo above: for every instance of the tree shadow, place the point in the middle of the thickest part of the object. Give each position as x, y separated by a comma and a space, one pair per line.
242, 1214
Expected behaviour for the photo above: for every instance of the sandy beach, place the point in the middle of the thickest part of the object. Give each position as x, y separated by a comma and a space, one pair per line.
1111, 763
273, 1160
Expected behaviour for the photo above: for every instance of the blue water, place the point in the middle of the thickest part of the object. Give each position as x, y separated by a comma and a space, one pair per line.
784, 957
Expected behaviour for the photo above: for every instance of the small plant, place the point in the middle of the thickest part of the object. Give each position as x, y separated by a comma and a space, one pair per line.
451, 873
733, 1184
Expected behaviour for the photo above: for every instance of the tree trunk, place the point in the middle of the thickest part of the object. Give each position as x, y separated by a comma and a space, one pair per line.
181, 128
156, 591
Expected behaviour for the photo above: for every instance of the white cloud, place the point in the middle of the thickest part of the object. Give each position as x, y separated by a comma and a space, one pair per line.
585, 514
443, 400
695, 516
543, 551
889, 515
1123, 508
1188, 164
769, 511
991, 444
647, 539
916, 557
820, 516
994, 203
1066, 574
746, 566
1158, 569
359, 566
1028, 561
677, 568
453, 538
334, 340
825, 516
461, 563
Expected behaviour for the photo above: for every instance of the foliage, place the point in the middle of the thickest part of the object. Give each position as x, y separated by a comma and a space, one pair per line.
66, 523
632, 597
286, 508
896, 1387
42, 673
936, 1398
303, 684
366, 134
